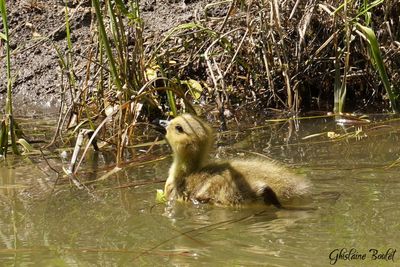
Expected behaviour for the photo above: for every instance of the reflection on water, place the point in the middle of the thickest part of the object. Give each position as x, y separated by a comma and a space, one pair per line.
112, 223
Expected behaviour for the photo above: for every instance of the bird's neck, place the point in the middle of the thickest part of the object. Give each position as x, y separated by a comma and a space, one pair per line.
180, 169
184, 166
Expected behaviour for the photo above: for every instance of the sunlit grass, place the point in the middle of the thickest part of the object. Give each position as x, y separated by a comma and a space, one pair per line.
8, 123
379, 65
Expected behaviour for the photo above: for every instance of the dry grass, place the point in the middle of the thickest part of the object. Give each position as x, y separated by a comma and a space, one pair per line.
287, 55
284, 54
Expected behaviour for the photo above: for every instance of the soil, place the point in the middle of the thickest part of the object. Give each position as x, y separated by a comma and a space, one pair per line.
37, 31
37, 28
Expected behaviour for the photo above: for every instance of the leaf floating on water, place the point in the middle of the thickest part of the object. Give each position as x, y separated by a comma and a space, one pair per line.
13, 186
352, 121
312, 136
160, 196
332, 135
25, 145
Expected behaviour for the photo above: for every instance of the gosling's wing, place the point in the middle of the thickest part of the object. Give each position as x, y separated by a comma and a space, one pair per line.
220, 184
261, 175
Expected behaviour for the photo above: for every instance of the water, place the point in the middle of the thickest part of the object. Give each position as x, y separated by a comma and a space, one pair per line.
112, 223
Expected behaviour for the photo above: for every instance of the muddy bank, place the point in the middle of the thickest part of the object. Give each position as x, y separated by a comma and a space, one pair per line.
248, 54
37, 30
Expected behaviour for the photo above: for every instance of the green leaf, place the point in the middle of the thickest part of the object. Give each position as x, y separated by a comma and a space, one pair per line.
195, 88
151, 72
370, 36
160, 196
25, 145
3, 138
3, 36
122, 7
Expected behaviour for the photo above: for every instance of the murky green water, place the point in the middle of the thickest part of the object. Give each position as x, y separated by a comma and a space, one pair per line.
112, 223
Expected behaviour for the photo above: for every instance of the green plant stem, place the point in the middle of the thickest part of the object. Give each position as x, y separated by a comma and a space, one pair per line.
104, 40
9, 106
380, 66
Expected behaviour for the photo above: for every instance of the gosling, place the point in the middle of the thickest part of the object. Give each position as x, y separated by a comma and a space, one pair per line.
226, 183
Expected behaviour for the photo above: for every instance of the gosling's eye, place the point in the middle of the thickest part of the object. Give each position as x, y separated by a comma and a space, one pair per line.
179, 129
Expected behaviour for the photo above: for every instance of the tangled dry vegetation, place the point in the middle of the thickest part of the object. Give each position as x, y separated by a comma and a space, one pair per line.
259, 55
233, 55
285, 54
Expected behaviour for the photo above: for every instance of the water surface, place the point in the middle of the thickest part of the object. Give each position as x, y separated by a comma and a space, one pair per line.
115, 223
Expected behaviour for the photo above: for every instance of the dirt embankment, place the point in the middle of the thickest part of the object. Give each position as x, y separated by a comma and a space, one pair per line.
37, 29
270, 55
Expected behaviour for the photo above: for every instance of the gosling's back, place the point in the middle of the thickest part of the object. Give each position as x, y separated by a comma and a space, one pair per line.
243, 181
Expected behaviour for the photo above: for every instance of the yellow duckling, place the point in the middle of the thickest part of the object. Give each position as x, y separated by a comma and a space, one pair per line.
192, 178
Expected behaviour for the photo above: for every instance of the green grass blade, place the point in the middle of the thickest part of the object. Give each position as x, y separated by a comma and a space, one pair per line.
3, 36
69, 44
27, 147
3, 138
393, 94
171, 102
368, 7
67, 27
9, 107
3, 11
104, 40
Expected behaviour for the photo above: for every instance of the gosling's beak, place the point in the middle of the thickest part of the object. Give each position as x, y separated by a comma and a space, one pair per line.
163, 123
160, 125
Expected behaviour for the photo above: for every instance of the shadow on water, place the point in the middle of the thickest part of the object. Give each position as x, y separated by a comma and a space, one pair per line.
117, 222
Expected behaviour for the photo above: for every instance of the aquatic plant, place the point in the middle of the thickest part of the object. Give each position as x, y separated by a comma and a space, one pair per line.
8, 124
119, 85
286, 55
353, 25
377, 61
235, 55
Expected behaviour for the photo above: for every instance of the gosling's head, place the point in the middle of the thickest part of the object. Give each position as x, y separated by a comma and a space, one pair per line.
189, 137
